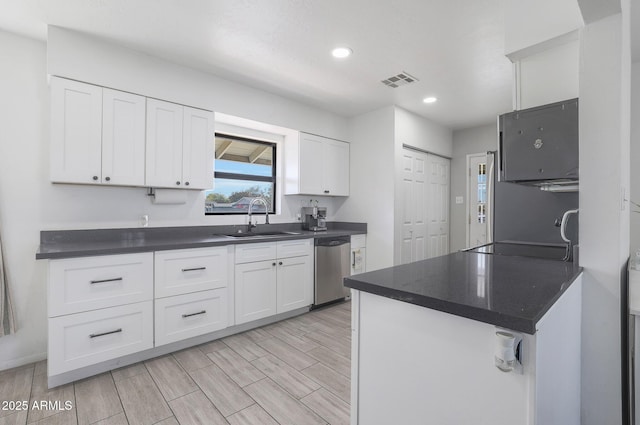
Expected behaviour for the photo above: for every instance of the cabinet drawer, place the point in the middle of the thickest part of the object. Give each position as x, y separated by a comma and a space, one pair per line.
294, 248
255, 252
82, 339
185, 271
83, 284
186, 316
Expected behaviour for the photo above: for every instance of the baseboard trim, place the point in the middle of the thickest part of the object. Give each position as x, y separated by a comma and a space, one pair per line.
22, 361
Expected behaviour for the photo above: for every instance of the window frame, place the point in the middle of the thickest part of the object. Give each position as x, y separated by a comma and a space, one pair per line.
248, 177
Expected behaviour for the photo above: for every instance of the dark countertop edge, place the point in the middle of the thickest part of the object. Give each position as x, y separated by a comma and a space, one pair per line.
506, 321
169, 244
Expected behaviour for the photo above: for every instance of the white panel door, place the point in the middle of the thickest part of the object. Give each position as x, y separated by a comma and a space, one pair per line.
311, 164
414, 208
438, 203
478, 192
255, 290
123, 138
197, 149
336, 173
76, 132
164, 144
295, 283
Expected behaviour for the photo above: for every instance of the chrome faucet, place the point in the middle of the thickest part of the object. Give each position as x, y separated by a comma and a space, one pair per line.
266, 212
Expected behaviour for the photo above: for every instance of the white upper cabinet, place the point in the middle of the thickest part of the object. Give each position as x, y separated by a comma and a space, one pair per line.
76, 132
123, 131
110, 137
97, 134
317, 166
164, 144
179, 146
197, 148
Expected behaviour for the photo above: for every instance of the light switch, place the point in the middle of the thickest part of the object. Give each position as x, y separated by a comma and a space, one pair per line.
459, 199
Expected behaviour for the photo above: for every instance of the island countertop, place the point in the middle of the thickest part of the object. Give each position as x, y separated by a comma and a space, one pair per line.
507, 291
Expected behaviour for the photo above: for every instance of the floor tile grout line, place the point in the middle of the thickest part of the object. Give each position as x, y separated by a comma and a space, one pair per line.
115, 387
284, 389
327, 388
313, 410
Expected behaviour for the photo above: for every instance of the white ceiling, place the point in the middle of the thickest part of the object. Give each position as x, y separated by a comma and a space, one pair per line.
454, 47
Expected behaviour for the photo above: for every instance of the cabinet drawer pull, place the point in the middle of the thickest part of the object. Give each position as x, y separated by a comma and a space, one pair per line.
194, 269
326, 191
353, 263
106, 280
105, 333
184, 316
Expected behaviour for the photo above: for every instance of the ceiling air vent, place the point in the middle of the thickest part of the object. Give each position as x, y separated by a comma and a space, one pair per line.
400, 79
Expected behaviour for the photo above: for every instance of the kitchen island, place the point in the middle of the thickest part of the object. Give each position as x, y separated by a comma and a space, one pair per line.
424, 338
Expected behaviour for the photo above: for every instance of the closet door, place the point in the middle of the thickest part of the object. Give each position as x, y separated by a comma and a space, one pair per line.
414, 206
438, 205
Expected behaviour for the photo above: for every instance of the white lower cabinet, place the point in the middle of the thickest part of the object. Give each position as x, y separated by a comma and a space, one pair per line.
189, 270
82, 339
275, 285
186, 316
294, 290
256, 285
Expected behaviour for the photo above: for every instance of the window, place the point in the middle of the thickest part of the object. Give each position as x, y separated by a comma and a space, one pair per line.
245, 169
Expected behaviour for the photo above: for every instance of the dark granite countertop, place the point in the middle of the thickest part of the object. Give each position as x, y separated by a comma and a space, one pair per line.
507, 291
86, 243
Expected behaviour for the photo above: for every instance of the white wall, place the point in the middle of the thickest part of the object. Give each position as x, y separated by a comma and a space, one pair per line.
29, 203
421, 133
635, 159
466, 142
372, 179
604, 228
549, 76
24, 108
528, 23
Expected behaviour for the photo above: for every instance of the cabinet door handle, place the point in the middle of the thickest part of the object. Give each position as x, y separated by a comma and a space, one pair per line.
177, 183
115, 279
194, 269
353, 261
186, 183
107, 178
184, 316
105, 333
273, 264
280, 263
95, 178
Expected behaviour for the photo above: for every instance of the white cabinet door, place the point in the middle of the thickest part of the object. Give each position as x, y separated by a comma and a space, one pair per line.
76, 132
123, 138
311, 164
190, 270
295, 283
197, 149
336, 171
255, 291
164, 144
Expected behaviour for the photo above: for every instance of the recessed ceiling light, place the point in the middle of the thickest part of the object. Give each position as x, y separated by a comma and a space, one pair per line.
430, 99
341, 52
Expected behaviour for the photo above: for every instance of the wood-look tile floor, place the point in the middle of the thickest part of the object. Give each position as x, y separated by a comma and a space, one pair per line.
293, 372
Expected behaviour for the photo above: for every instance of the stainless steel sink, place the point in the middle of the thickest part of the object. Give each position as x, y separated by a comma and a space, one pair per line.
260, 234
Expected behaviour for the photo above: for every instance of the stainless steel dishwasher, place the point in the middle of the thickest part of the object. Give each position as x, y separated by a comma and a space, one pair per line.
332, 256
